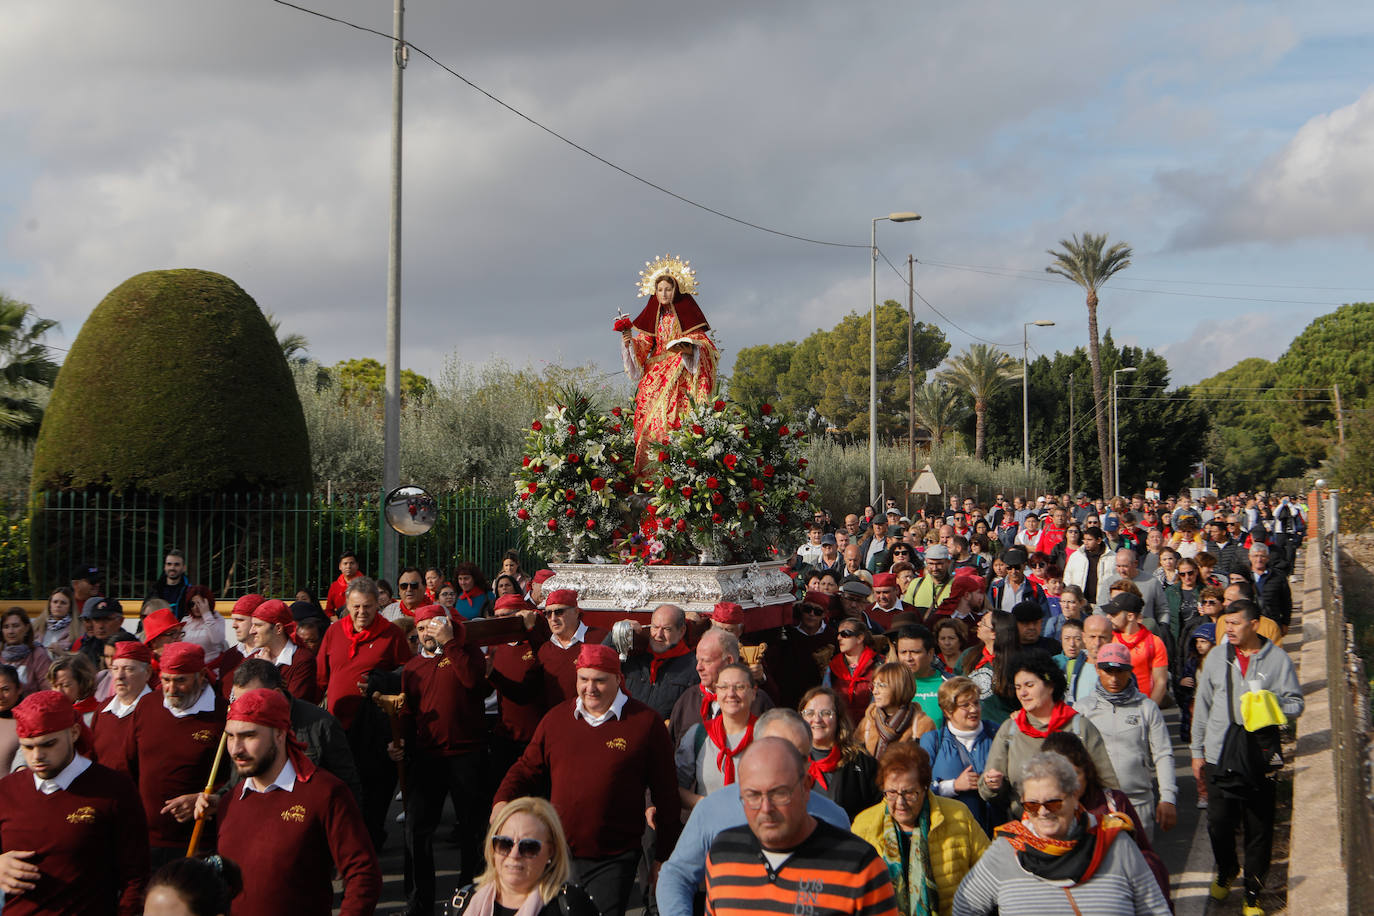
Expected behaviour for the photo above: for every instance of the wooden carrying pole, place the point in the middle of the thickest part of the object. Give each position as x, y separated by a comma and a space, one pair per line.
209, 787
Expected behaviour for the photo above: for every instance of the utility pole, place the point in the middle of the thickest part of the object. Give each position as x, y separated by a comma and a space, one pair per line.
1340, 420
1071, 487
391, 449
911, 360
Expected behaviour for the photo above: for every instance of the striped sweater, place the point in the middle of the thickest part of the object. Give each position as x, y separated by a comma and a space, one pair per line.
831, 872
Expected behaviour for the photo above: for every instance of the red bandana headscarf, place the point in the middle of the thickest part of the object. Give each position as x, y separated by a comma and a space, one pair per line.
276, 612
269, 708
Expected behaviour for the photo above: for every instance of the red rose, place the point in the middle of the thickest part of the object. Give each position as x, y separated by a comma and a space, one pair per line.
715, 518
667, 483
525, 461
682, 524
572, 429
697, 430
782, 517
533, 487
662, 456
712, 483
759, 461
616, 428
717, 498
801, 462
622, 324
573, 458
617, 412
537, 468
687, 492
742, 505
553, 524
783, 430
756, 484
730, 461
799, 433
768, 470
676, 424
691, 462
621, 486
568, 495
570, 512
525, 495
651, 511
591, 523
766, 409
803, 496
598, 484
522, 514
719, 406
745, 432
536, 426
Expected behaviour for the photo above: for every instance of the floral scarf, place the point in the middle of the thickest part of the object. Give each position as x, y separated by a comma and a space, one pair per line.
1074, 858
911, 876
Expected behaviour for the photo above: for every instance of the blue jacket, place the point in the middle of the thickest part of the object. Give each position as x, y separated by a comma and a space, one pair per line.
685, 869
947, 761
1029, 592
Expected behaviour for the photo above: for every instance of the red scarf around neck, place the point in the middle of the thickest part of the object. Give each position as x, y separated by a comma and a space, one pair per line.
660, 659
725, 755
842, 677
707, 698
827, 764
367, 634
1059, 717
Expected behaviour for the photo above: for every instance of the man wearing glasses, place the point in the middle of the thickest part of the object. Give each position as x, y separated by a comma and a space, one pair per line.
785, 860
411, 585
558, 656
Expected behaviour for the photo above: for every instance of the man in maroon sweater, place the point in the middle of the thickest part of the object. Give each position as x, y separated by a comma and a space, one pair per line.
171, 747
444, 722
359, 656
72, 834
290, 825
241, 622
129, 672
273, 632
514, 670
559, 654
600, 753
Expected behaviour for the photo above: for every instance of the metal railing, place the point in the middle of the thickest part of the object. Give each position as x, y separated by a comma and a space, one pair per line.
1349, 703
273, 543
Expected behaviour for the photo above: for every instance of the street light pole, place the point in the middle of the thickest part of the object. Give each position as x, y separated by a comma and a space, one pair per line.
1025, 390
901, 217
1116, 433
391, 422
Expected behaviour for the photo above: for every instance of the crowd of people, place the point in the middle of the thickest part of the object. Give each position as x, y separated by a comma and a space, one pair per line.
964, 715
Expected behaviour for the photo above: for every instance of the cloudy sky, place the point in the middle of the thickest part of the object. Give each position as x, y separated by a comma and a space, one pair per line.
1231, 144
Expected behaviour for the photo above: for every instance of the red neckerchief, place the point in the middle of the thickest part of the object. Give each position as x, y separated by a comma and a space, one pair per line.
985, 659
848, 682
660, 659
91, 704
707, 698
827, 764
367, 634
1059, 717
471, 593
725, 755
1132, 642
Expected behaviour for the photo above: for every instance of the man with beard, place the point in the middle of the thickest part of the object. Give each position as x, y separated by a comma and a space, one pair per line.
129, 672
932, 588
72, 833
289, 825
171, 749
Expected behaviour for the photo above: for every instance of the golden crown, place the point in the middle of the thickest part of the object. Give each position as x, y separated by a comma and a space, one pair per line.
673, 266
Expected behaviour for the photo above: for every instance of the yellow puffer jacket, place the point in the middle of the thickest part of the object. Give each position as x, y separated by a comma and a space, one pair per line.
956, 842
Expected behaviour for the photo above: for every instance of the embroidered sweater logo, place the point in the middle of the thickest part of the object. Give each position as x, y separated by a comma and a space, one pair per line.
83, 815
617, 744
294, 815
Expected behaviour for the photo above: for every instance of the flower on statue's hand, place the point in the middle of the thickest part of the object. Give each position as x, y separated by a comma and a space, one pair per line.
623, 324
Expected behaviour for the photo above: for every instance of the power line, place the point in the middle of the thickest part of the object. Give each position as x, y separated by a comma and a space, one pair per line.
948, 320
574, 144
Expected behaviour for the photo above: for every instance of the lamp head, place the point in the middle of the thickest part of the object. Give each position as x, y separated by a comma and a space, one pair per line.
1042, 323
904, 217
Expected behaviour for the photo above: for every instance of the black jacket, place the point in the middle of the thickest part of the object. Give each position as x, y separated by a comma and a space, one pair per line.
1275, 597
572, 901
675, 677
853, 785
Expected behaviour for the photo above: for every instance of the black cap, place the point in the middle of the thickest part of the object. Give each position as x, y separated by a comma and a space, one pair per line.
1015, 557
1124, 602
98, 608
303, 610
1027, 611
91, 574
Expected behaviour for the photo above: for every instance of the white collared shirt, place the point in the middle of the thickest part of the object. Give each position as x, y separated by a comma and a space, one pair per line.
206, 703
617, 706
818, 632
287, 655
121, 710
64, 779
578, 637
285, 782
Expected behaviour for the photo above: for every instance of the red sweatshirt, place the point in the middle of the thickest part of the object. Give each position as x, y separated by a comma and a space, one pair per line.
560, 667
289, 843
443, 713
519, 677
110, 736
91, 840
334, 601
168, 757
299, 677
599, 777
339, 674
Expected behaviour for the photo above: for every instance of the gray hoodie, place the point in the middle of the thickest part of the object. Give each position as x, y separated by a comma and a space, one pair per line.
1137, 740
1269, 669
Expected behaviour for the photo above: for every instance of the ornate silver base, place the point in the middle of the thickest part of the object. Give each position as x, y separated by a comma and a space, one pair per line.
693, 588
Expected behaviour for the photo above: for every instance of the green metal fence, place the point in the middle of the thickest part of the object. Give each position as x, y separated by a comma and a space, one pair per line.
273, 543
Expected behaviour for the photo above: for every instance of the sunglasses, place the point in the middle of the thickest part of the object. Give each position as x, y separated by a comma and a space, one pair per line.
525, 849
848, 634
555, 611
1051, 806
408, 584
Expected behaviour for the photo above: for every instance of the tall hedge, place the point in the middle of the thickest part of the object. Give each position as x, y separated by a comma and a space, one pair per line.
176, 386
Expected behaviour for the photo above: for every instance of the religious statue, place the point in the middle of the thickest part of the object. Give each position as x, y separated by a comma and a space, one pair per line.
671, 359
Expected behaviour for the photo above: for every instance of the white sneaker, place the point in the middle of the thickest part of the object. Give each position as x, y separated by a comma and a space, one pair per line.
401, 818
1202, 803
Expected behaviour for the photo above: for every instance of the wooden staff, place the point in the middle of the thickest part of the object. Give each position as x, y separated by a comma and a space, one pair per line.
391, 704
209, 787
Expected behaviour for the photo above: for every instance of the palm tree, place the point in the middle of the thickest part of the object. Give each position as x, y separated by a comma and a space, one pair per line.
981, 371
27, 369
291, 344
937, 409
1085, 263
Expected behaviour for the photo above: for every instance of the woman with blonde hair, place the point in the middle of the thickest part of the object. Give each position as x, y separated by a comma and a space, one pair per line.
528, 867
892, 717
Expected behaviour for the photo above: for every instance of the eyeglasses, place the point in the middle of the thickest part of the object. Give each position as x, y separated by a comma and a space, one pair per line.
812, 715
525, 849
848, 634
408, 584
778, 798
1211, 601
1051, 806
555, 611
1187, 572
907, 796
1038, 565
970, 705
